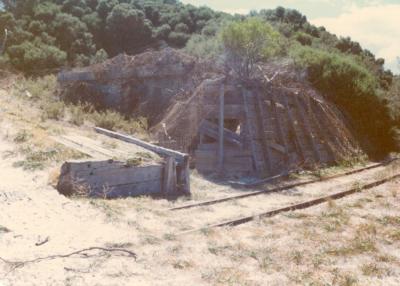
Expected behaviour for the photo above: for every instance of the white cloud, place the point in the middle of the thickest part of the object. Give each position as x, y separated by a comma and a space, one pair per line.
376, 27
242, 11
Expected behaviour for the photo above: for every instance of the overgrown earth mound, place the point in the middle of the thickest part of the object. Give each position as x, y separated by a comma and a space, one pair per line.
272, 123
143, 85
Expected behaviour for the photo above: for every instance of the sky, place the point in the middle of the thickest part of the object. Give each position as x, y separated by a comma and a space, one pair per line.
375, 24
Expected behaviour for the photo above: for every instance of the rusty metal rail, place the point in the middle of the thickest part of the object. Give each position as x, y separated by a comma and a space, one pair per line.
293, 207
282, 188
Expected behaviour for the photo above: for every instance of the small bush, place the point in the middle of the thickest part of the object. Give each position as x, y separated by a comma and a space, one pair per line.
22, 136
76, 114
35, 159
304, 39
178, 39
41, 88
53, 110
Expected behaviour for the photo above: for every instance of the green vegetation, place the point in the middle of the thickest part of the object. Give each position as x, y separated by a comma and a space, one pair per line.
353, 87
247, 43
46, 35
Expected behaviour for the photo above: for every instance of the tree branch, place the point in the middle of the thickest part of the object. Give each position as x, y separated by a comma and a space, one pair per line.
18, 264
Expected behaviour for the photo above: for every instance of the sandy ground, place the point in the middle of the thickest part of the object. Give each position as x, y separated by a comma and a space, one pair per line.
352, 241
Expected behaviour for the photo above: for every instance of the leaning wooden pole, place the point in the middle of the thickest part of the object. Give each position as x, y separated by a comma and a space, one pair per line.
164, 152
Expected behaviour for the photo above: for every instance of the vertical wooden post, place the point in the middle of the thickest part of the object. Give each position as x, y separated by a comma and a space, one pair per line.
169, 183
186, 177
221, 129
183, 176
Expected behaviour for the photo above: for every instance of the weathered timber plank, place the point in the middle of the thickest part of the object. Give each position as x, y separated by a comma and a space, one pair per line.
228, 152
180, 157
138, 189
134, 173
232, 160
231, 111
120, 150
278, 147
259, 165
207, 155
321, 131
308, 132
221, 129
79, 165
210, 129
112, 182
121, 178
278, 122
263, 118
292, 124
82, 148
330, 128
209, 166
183, 176
89, 166
169, 179
94, 145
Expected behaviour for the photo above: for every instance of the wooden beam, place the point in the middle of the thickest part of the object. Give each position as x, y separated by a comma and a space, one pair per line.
278, 148
212, 130
221, 119
307, 129
321, 131
169, 179
179, 157
301, 148
263, 117
250, 121
278, 122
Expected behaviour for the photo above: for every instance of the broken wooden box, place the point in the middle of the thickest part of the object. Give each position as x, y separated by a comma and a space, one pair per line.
122, 168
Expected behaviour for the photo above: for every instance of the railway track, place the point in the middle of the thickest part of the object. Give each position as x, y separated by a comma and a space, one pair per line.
282, 188
292, 207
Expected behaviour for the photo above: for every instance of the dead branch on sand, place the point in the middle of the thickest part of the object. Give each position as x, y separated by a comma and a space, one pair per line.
18, 264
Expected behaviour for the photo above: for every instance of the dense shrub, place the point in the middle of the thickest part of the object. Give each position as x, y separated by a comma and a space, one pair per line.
36, 56
353, 88
304, 39
178, 39
72, 31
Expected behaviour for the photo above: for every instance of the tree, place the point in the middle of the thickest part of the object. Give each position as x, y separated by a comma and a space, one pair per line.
127, 29
247, 43
73, 36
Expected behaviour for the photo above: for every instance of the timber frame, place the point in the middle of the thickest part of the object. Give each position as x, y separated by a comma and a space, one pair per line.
264, 130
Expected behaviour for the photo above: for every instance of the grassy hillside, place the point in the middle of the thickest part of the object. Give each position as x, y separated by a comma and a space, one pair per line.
47, 35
